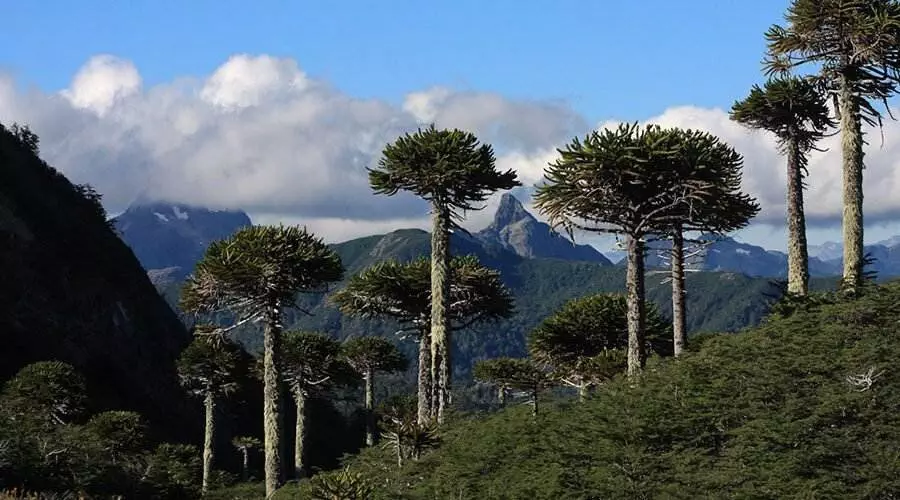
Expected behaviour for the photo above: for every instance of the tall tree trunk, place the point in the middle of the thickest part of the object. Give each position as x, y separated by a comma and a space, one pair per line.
300, 438
635, 313
425, 389
501, 396
370, 406
679, 311
534, 403
582, 392
273, 416
852, 217
798, 258
208, 439
245, 463
440, 299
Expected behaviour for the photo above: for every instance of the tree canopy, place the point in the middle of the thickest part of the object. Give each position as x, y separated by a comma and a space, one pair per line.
375, 354
208, 367
402, 291
447, 167
312, 362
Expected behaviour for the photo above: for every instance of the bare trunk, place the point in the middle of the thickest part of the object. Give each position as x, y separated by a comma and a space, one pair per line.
440, 298
208, 439
425, 389
370, 407
245, 463
273, 417
582, 392
635, 298
679, 312
852, 217
501, 395
534, 403
300, 435
798, 258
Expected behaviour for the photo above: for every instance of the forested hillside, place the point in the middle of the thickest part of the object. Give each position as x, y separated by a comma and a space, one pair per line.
72, 291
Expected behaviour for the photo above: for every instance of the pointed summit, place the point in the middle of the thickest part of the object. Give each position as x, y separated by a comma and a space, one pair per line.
510, 211
516, 230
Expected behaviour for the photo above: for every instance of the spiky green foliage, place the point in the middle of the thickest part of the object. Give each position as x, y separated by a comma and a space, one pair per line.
241, 443
343, 484
854, 46
447, 167
793, 109
804, 406
402, 291
373, 354
583, 343
119, 432
259, 266
856, 39
208, 367
51, 392
515, 373
312, 362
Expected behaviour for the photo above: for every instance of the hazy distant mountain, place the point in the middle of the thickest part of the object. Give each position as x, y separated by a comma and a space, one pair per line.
168, 239
516, 230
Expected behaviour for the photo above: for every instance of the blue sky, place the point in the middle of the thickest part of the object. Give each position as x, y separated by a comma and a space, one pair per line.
505, 62
612, 59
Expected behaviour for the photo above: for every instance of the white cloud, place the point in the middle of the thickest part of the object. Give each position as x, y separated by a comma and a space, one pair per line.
765, 173
261, 135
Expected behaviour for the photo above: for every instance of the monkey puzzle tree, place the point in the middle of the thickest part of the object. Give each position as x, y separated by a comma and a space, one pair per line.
584, 342
795, 111
312, 363
854, 45
47, 393
619, 181
452, 171
401, 291
210, 370
710, 170
244, 444
255, 274
368, 355
515, 373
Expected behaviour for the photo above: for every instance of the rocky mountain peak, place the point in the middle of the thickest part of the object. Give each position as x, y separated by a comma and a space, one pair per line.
510, 211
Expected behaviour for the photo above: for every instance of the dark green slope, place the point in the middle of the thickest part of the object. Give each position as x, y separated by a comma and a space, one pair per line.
769, 413
71, 290
716, 301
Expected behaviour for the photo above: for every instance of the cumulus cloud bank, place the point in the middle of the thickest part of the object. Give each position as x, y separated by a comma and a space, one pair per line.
261, 135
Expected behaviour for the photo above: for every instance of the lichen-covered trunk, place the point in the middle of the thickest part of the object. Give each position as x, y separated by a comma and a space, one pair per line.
534, 403
208, 439
273, 417
634, 278
245, 463
369, 378
440, 300
425, 389
852, 156
501, 396
798, 258
679, 311
582, 392
300, 435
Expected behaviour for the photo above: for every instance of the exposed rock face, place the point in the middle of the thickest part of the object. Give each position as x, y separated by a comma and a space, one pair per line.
516, 230
173, 237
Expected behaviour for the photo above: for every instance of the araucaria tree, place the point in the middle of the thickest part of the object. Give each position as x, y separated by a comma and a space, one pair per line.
312, 364
710, 172
515, 373
619, 181
854, 45
795, 111
453, 172
254, 275
244, 444
402, 291
210, 369
584, 343
369, 355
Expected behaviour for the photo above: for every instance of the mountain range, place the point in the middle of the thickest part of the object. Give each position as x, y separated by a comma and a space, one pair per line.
168, 239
